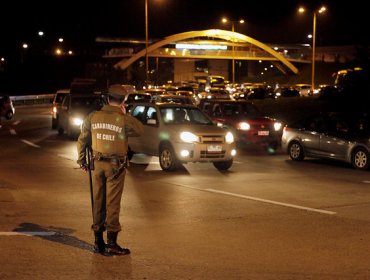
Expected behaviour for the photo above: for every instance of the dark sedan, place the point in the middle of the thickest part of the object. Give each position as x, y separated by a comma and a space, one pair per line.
336, 136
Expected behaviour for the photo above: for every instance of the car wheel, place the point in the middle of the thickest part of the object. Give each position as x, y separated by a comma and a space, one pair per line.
60, 131
295, 151
9, 115
223, 165
54, 123
272, 147
167, 158
130, 153
360, 159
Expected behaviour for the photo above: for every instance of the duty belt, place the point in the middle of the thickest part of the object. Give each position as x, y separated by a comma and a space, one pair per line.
121, 161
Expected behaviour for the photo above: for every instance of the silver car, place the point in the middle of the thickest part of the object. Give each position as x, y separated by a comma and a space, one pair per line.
181, 133
337, 136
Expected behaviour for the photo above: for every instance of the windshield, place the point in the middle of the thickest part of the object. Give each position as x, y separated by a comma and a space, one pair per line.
87, 103
181, 115
234, 109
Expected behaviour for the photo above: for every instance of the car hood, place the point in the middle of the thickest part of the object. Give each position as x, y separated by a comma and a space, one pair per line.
199, 129
250, 119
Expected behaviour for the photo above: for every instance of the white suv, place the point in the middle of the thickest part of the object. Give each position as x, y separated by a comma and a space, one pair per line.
181, 133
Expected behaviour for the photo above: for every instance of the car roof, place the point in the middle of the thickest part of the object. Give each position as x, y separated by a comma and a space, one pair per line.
225, 101
165, 104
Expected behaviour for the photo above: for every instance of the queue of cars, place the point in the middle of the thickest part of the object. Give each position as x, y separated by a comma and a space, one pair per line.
179, 130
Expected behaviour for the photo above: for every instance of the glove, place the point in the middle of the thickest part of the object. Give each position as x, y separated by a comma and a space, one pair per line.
84, 167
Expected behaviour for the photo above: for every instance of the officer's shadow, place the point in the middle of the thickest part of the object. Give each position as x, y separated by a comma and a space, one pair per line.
59, 235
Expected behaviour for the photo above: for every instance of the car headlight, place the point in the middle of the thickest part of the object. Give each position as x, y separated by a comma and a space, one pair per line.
244, 126
77, 121
188, 137
229, 138
277, 126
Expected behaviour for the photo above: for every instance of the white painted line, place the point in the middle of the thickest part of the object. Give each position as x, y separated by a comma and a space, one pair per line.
12, 131
16, 122
366, 182
274, 202
28, 233
30, 143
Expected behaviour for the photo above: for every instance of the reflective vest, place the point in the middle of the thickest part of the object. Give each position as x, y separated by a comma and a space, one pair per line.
108, 133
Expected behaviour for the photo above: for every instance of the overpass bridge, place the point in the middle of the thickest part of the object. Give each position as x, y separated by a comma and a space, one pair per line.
219, 44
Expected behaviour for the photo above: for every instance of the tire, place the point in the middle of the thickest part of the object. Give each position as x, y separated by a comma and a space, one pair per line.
223, 165
360, 159
54, 123
60, 131
272, 147
130, 153
9, 115
295, 151
167, 158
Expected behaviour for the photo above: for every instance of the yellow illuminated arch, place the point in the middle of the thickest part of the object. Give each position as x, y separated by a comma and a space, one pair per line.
212, 33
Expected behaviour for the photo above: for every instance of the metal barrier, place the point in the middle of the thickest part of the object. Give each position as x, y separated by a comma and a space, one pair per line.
32, 99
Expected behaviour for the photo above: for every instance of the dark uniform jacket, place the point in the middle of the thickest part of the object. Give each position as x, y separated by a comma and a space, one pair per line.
107, 132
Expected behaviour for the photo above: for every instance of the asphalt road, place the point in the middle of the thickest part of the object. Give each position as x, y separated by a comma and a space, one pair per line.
266, 218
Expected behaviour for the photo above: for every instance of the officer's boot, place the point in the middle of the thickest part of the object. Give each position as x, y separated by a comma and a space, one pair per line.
99, 246
112, 246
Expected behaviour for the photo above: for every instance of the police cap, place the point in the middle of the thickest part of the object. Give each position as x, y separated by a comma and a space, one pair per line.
117, 91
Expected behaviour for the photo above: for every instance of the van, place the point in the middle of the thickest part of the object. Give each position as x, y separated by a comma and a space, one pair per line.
57, 103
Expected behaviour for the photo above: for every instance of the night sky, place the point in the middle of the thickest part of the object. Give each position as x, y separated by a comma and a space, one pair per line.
80, 22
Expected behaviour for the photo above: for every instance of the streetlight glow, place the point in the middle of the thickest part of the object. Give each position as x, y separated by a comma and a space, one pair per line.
225, 20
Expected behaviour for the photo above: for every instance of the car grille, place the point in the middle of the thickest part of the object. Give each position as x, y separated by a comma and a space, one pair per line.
205, 154
212, 139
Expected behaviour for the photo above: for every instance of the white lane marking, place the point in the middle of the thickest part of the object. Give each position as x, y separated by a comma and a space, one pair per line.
12, 131
274, 202
28, 233
30, 143
16, 122
366, 182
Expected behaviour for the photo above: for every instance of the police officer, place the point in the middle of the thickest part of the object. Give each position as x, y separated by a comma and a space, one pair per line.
106, 132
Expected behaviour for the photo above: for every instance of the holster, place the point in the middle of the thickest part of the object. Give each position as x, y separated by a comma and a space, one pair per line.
122, 165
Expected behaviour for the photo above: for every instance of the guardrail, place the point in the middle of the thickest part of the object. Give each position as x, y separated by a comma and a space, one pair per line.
32, 99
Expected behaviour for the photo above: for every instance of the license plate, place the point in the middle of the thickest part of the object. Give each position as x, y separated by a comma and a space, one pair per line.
263, 133
214, 148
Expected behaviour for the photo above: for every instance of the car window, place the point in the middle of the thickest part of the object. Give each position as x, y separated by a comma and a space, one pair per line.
216, 111
59, 97
87, 103
177, 115
138, 112
231, 109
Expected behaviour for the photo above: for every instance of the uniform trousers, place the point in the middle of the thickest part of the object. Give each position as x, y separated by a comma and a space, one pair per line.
107, 194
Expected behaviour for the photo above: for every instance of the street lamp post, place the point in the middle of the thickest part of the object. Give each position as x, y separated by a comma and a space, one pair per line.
321, 10
224, 20
146, 44
313, 51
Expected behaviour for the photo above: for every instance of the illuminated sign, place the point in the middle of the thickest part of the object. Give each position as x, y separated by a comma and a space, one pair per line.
200, 47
